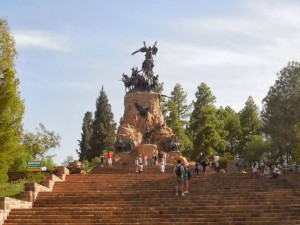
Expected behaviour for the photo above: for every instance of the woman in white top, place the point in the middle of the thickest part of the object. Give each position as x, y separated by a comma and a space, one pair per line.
267, 171
162, 168
254, 169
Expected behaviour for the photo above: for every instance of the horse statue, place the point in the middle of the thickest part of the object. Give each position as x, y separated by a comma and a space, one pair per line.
127, 82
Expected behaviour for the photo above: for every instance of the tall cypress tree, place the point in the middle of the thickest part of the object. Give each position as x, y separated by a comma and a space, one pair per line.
104, 127
86, 135
11, 105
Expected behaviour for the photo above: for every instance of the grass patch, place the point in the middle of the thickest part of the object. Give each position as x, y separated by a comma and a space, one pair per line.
12, 189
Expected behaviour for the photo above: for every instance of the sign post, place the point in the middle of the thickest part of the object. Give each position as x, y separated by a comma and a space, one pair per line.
33, 166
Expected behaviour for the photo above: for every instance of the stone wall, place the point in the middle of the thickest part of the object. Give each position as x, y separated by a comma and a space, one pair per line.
28, 196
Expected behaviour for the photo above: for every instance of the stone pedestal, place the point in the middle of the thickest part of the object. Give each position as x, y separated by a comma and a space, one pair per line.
142, 110
147, 149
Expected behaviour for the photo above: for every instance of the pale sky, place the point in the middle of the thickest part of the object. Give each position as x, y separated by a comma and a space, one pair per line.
68, 49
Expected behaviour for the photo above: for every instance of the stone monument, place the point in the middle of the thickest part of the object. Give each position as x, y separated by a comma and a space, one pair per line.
142, 128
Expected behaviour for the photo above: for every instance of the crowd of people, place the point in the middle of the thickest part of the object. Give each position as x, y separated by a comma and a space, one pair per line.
260, 170
264, 170
157, 158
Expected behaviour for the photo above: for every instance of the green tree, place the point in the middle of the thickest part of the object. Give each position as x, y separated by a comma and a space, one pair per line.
256, 148
179, 98
205, 126
86, 135
38, 144
11, 105
67, 161
281, 114
163, 100
177, 126
251, 123
296, 151
232, 128
7, 48
104, 127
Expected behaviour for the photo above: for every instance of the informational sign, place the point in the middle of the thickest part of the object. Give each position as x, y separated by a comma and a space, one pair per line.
33, 166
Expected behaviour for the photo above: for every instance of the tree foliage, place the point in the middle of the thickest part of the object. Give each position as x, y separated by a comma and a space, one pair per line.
104, 127
177, 126
232, 129
7, 48
281, 114
256, 148
86, 135
11, 105
39, 143
251, 123
205, 126
179, 98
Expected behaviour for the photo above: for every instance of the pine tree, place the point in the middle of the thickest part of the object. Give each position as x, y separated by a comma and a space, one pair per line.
85, 142
232, 129
11, 105
177, 126
249, 117
281, 114
205, 127
104, 127
180, 100
251, 123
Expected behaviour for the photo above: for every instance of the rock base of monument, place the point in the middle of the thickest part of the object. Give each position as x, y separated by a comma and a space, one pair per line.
147, 149
124, 158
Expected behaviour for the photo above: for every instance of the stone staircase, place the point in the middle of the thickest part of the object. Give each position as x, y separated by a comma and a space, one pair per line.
118, 195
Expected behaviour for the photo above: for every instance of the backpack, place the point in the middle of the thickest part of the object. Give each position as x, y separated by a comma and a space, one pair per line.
187, 173
178, 171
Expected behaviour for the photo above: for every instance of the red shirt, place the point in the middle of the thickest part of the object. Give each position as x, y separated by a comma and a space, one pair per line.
108, 155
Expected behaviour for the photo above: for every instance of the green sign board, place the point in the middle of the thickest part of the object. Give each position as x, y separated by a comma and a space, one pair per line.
34, 166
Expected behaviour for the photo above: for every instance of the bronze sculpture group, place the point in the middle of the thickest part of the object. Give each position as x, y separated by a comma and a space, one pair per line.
144, 79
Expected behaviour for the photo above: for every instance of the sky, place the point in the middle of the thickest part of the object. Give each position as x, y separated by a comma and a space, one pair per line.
69, 49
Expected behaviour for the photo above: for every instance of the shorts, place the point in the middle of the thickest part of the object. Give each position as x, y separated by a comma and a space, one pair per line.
109, 161
179, 181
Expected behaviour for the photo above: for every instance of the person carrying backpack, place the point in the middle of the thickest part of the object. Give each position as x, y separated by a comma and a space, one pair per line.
179, 170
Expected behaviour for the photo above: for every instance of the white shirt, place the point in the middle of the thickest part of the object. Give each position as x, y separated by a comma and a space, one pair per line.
162, 168
255, 168
266, 170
